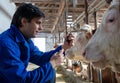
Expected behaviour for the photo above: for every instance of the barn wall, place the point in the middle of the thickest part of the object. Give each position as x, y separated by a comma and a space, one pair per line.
49, 42
6, 12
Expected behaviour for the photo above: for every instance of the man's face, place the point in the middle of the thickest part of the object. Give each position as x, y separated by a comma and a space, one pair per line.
30, 29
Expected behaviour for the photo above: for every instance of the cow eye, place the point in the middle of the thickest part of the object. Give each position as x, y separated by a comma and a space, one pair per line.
111, 20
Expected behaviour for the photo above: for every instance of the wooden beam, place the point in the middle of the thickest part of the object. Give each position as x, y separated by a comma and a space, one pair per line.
21, 1
91, 9
49, 8
86, 11
56, 8
95, 19
59, 14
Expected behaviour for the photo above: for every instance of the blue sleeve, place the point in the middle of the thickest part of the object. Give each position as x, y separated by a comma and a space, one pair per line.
13, 70
41, 74
40, 58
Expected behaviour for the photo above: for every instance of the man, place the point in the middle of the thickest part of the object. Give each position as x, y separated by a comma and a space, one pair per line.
17, 49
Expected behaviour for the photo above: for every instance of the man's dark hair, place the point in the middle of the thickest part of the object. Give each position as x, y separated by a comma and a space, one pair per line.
28, 11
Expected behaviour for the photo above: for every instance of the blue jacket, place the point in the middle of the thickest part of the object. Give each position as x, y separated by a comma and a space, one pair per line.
16, 52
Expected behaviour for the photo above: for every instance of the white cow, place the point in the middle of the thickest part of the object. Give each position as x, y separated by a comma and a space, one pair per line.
75, 52
103, 49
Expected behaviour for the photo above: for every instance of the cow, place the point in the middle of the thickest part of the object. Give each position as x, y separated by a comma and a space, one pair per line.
103, 49
75, 52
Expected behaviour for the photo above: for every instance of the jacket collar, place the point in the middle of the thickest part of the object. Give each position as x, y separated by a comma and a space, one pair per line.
17, 34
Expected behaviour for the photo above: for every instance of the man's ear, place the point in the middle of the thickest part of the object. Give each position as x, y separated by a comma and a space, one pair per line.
24, 21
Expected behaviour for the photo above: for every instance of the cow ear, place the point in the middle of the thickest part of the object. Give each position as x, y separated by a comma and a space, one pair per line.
108, 1
88, 35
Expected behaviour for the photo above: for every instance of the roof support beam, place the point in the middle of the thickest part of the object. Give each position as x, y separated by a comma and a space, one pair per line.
59, 14
91, 9
21, 1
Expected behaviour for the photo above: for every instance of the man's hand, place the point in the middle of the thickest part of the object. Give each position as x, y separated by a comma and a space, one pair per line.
57, 59
69, 42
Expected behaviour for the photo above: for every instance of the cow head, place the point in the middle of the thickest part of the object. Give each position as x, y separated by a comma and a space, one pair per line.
103, 49
75, 52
